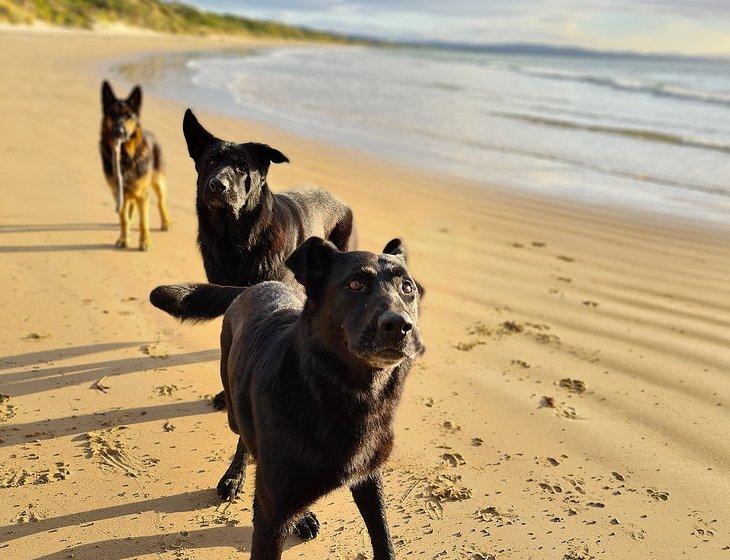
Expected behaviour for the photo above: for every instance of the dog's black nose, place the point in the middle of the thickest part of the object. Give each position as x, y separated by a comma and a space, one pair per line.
395, 324
120, 130
216, 185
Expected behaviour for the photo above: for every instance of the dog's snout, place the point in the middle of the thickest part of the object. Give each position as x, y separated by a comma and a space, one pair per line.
395, 324
119, 130
216, 185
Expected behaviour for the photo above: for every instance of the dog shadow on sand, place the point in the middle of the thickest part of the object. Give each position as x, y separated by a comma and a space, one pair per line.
124, 547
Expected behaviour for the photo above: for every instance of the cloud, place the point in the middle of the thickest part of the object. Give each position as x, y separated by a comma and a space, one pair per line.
699, 26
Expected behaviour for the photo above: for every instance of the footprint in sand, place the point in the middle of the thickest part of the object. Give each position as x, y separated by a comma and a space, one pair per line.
572, 385
453, 459
444, 488
220, 515
165, 390
561, 409
30, 515
12, 477
108, 449
7, 410
496, 515
469, 345
36, 336
521, 363
657, 494
155, 350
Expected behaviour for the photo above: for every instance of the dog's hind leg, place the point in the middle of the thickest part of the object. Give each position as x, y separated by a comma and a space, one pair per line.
124, 214
160, 188
232, 482
143, 207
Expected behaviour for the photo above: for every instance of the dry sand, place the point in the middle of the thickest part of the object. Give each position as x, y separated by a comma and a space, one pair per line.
573, 402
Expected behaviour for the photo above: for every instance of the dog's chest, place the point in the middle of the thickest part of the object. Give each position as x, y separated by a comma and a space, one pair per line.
247, 266
356, 452
372, 452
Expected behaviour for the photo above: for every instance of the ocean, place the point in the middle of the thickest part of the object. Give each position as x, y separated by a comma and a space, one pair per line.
649, 134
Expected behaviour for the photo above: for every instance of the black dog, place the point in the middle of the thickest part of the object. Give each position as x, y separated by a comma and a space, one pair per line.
246, 232
312, 385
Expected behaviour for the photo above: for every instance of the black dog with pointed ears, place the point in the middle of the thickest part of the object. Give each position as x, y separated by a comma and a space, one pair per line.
245, 231
312, 384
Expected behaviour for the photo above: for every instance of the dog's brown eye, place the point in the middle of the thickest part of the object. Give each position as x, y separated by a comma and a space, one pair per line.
407, 287
355, 285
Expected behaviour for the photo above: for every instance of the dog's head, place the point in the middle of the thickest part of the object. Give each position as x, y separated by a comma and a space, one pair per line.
362, 303
230, 176
120, 116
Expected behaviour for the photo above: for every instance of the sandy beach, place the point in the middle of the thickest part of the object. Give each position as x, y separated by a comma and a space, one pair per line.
572, 404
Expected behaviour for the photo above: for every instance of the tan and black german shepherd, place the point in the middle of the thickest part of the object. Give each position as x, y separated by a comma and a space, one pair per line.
132, 161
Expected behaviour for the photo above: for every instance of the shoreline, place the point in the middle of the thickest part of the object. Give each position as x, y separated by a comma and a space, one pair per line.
571, 398
219, 103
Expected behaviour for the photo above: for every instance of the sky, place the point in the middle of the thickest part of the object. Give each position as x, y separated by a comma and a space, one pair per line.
661, 26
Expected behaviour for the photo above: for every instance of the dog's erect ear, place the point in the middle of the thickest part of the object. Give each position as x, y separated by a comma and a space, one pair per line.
310, 263
197, 138
135, 99
266, 154
107, 95
397, 248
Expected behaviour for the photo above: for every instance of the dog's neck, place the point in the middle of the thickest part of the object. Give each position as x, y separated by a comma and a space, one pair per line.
130, 146
333, 368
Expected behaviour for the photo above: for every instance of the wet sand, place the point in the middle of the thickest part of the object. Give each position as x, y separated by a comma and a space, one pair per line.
572, 403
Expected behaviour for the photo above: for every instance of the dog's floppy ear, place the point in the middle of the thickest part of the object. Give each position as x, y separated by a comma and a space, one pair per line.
197, 138
266, 153
107, 95
397, 248
310, 263
135, 99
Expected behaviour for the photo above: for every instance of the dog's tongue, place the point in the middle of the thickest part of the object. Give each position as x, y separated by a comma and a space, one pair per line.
117, 169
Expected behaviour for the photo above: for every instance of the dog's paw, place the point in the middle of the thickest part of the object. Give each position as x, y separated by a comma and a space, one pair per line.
166, 226
219, 401
121, 243
144, 244
229, 487
306, 527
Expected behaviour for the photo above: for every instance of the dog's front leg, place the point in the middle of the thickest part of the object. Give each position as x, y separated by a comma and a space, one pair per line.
124, 218
143, 207
268, 534
368, 496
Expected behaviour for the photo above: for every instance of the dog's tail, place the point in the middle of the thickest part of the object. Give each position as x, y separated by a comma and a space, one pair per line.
194, 302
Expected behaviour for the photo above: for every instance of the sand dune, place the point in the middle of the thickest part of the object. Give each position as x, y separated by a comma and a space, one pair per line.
573, 402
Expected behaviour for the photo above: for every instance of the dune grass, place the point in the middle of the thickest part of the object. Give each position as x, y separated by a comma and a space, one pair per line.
156, 15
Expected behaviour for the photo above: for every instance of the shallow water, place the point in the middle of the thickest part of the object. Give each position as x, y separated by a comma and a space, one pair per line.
650, 134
